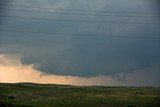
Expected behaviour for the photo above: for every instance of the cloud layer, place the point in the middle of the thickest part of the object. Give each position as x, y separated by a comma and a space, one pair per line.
80, 55
13, 71
93, 56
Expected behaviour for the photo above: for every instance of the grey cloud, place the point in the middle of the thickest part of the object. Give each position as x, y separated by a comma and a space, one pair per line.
145, 77
2, 12
82, 56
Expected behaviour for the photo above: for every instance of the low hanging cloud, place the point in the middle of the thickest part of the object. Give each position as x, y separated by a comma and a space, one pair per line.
145, 77
13, 71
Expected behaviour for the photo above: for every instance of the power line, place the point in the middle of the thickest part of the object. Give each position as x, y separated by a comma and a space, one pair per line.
72, 20
83, 10
89, 36
71, 13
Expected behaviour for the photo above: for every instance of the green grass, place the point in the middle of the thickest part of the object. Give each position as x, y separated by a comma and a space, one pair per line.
50, 95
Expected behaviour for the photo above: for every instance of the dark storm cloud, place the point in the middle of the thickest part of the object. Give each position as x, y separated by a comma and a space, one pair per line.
83, 56
157, 5
2, 12
4, 2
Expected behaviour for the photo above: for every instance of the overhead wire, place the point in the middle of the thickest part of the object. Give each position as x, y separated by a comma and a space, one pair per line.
71, 13
81, 9
90, 36
73, 20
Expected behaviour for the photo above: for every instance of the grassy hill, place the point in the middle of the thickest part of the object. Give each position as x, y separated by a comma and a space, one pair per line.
51, 95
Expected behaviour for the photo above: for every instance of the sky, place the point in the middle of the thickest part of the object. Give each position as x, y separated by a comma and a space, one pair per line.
80, 42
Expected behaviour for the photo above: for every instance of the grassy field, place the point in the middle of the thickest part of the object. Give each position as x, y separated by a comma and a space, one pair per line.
38, 95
